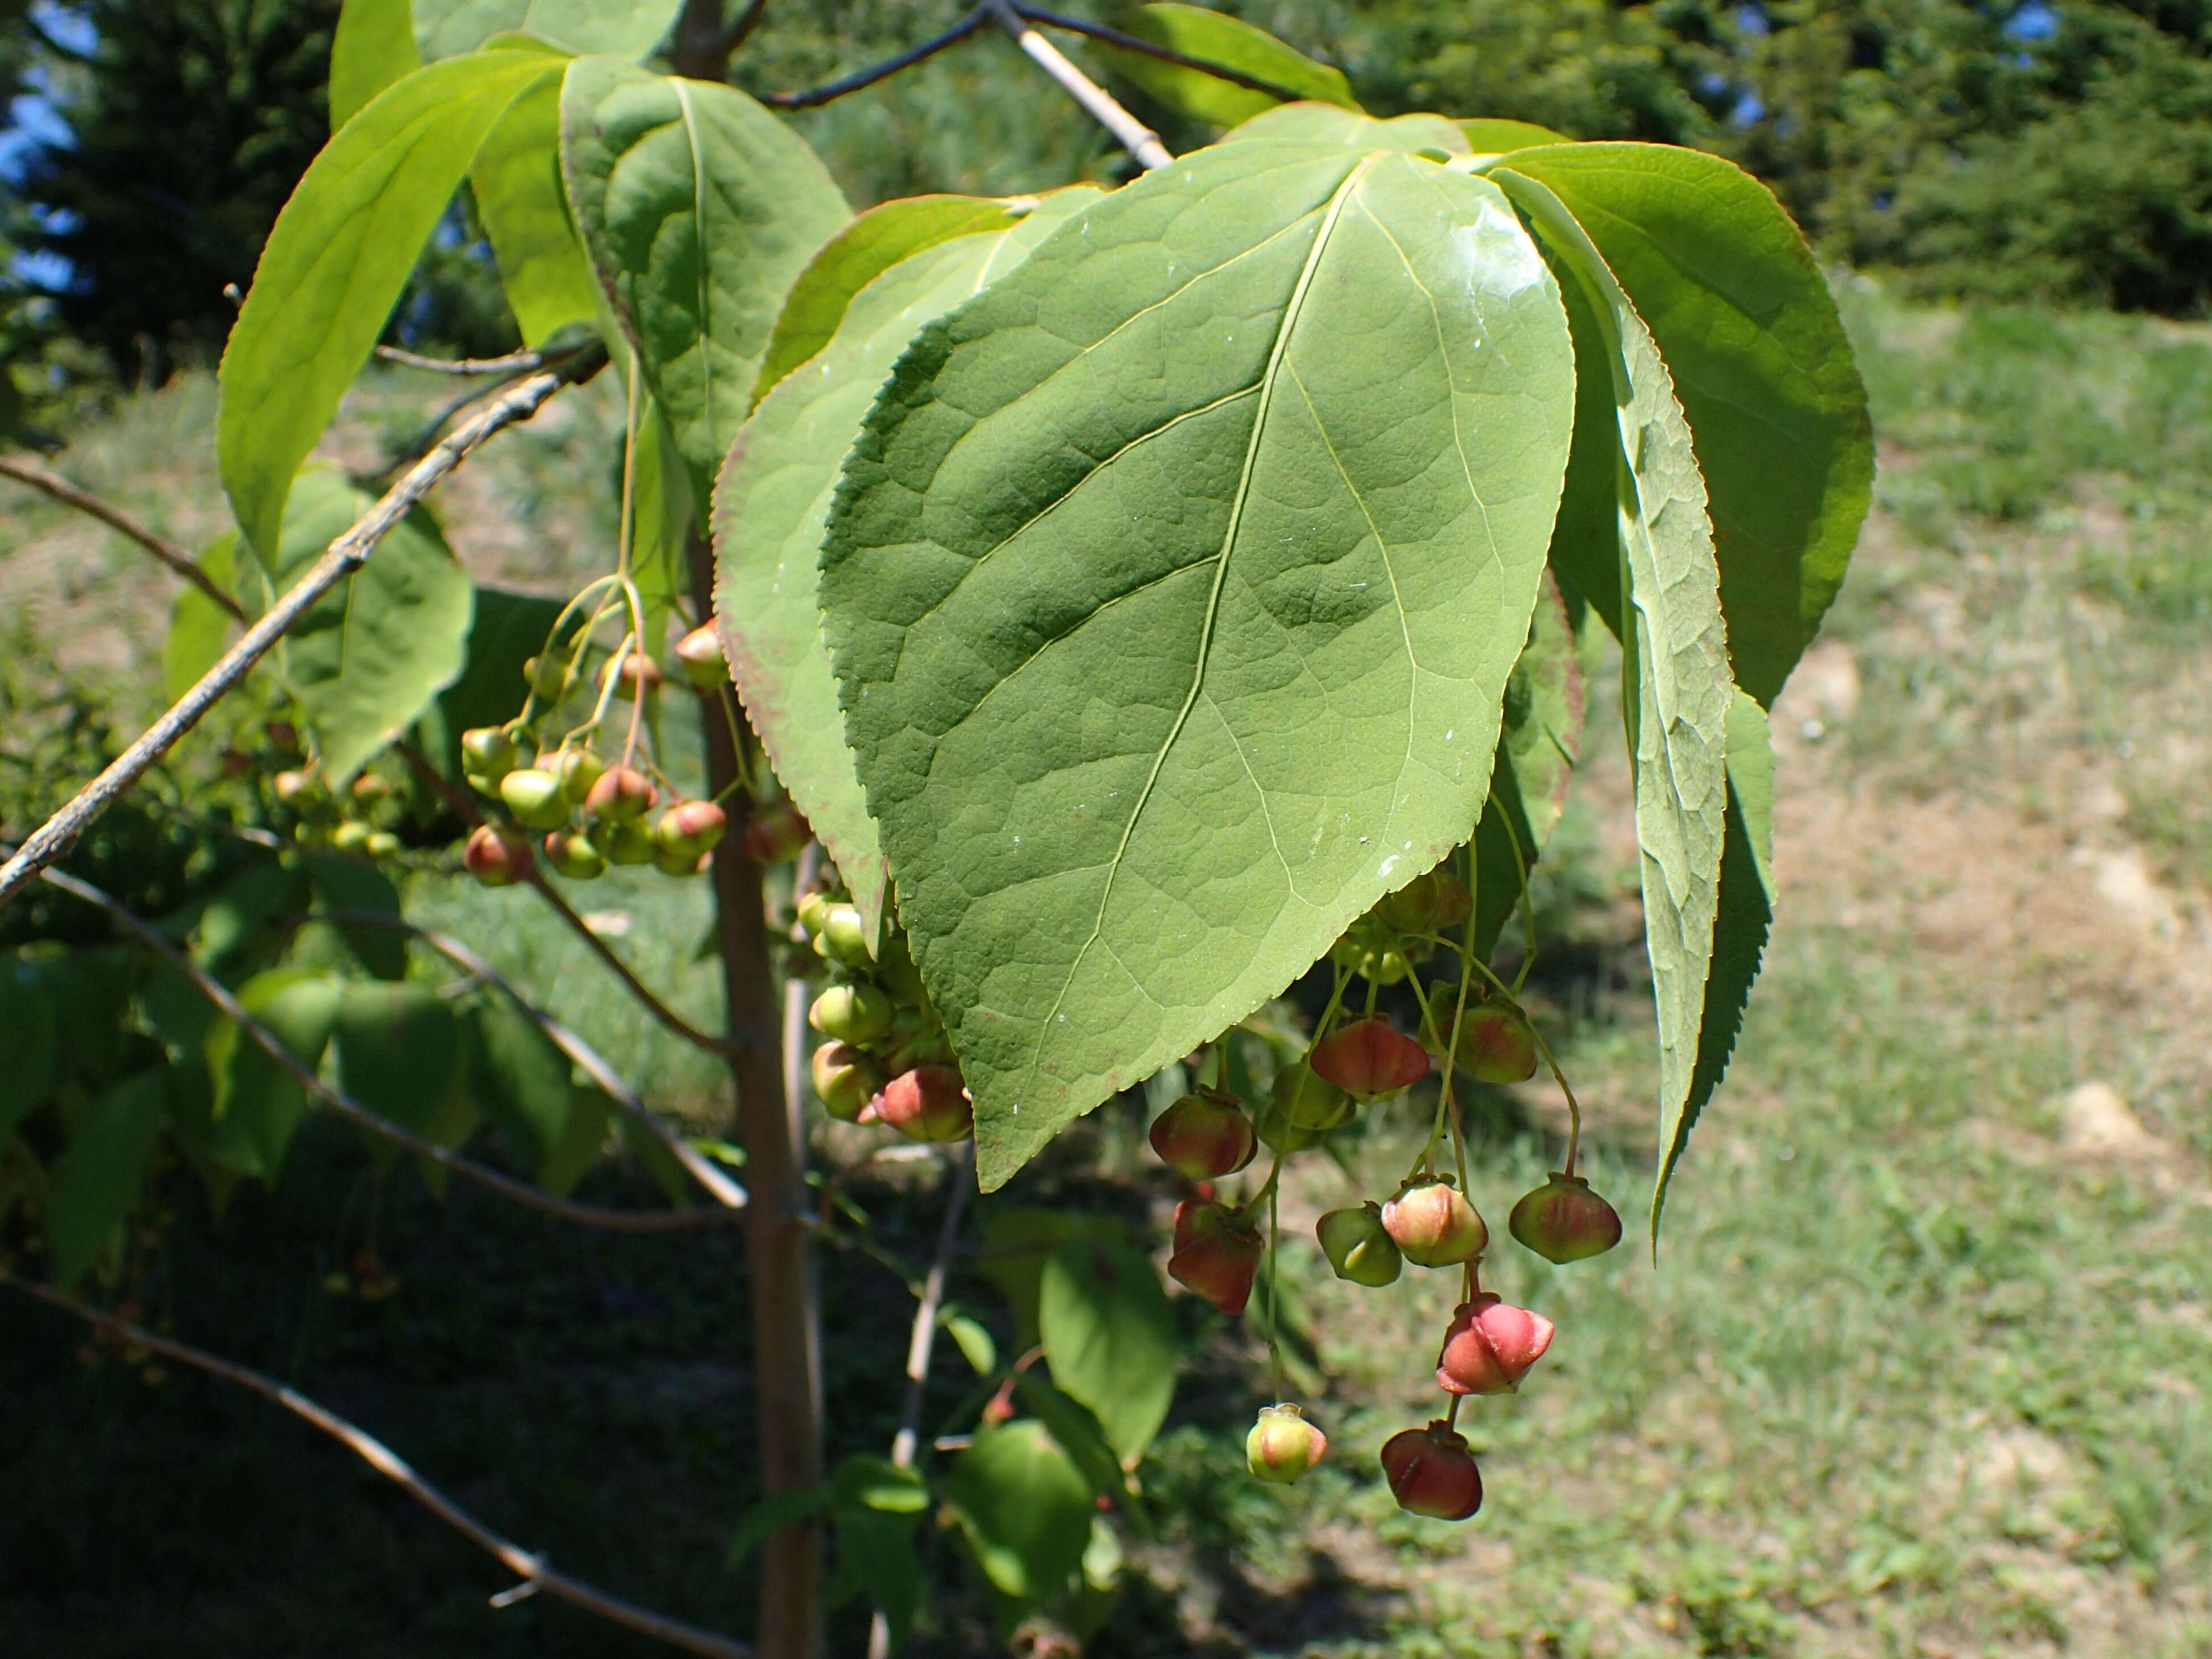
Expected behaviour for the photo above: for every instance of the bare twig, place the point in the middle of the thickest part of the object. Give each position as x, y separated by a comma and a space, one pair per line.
536, 1572
1132, 135
522, 360
465, 808
348, 553
724, 1191
589, 1215
1113, 37
920, 1346
42, 478
891, 66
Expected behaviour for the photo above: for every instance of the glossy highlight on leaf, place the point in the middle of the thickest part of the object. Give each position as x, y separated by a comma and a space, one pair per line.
1217, 38
621, 28
1156, 679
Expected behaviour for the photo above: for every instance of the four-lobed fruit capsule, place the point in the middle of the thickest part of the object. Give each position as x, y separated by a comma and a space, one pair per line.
927, 1102
845, 1080
1359, 1246
1432, 1473
1283, 1447
699, 656
1370, 1058
495, 858
1204, 1136
1563, 1221
1217, 1253
857, 1014
1496, 1045
1490, 1345
622, 794
1434, 1225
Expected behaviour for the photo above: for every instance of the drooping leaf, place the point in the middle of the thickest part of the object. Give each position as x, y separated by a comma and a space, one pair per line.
517, 180
96, 1179
1749, 332
235, 918
620, 28
1585, 556
1108, 1336
1216, 38
774, 500
1073, 1425
400, 1053
974, 1339
257, 1102
1492, 137
1172, 589
1023, 1506
1740, 930
506, 629
337, 884
864, 1481
369, 656
700, 209
373, 49
660, 524
856, 256
876, 1558
28, 1015
525, 1084
336, 261
1327, 123
1017, 1243
198, 627
1675, 687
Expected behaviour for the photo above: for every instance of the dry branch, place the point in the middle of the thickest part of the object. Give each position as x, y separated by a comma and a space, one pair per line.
1132, 135
52, 483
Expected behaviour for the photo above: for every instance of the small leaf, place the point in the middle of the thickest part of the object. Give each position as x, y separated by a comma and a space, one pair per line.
864, 1481
770, 1516
257, 1103
1759, 357
1740, 930
1024, 1508
856, 256
660, 515
1108, 1335
1676, 685
198, 627
774, 500
1216, 38
1172, 589
621, 28
373, 49
28, 1015
96, 1179
336, 261
369, 656
700, 209
517, 181
969, 1335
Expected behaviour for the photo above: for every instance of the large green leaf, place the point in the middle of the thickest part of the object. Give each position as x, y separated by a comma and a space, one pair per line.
506, 629
1108, 1335
1076, 1427
198, 627
660, 524
367, 657
856, 256
1759, 360
1216, 38
373, 48
97, 1177
774, 499
1739, 929
1674, 681
1537, 750
1024, 1506
27, 1014
339, 882
1327, 123
257, 1103
400, 1053
1172, 589
517, 181
1492, 137
621, 28
335, 263
700, 209
525, 1084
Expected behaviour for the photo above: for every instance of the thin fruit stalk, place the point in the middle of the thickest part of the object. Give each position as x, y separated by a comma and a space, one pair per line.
779, 1256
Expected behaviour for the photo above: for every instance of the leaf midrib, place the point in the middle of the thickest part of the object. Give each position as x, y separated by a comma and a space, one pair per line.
1331, 214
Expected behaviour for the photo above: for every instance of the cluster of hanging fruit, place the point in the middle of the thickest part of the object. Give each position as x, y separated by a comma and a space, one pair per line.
591, 814
885, 1059
1489, 1344
357, 819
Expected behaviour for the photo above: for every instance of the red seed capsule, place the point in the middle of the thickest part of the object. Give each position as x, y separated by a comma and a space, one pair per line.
1496, 1045
1435, 1225
495, 860
926, 1103
1563, 1221
1491, 1346
1204, 1136
776, 834
1370, 1058
1216, 1254
1431, 1472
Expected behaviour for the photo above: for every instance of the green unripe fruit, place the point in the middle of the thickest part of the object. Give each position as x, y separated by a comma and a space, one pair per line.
699, 655
489, 753
857, 1014
1310, 1102
1563, 1221
1496, 1045
1359, 1246
381, 844
813, 911
896, 970
572, 855
1435, 1225
679, 865
844, 936
578, 770
370, 786
628, 843
845, 1080
1283, 1446
548, 677
351, 836
690, 828
296, 788
535, 798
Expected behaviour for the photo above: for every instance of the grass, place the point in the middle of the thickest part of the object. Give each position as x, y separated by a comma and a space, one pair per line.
1921, 1370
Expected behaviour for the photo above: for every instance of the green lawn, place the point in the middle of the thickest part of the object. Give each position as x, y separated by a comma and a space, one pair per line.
1921, 1369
